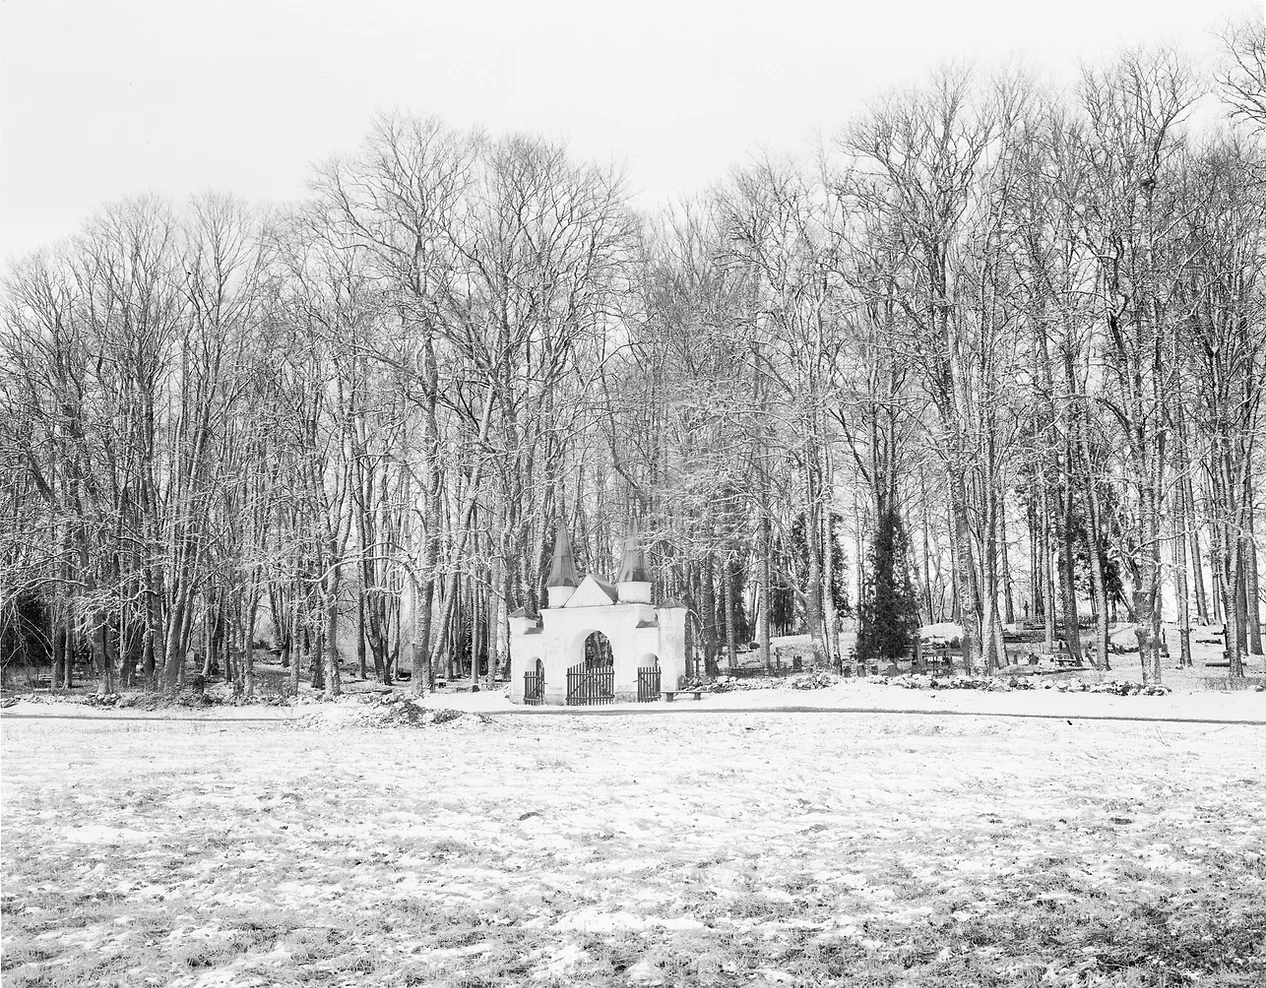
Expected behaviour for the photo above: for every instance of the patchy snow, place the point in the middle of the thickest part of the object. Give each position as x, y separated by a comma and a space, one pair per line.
1045, 700
720, 844
596, 921
94, 834
944, 632
561, 960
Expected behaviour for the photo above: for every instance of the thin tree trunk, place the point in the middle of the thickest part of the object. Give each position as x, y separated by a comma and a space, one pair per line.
295, 648
766, 594
1048, 571
1005, 556
333, 676
813, 587
707, 604
248, 666
1180, 579
1217, 592
498, 595
727, 585
966, 590
930, 614
69, 641
57, 634
1251, 588
1094, 527
360, 636
956, 571
316, 668
1068, 576
1241, 617
442, 645
828, 592
1195, 552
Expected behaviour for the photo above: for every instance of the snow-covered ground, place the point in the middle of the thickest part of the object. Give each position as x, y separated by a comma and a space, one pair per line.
1046, 699
721, 846
1053, 696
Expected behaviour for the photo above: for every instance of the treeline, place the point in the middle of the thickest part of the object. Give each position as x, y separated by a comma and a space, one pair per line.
999, 347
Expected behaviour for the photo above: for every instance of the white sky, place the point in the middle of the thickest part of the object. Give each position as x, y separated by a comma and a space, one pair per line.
105, 98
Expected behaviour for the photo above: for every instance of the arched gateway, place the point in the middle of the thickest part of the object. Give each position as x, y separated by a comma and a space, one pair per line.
597, 642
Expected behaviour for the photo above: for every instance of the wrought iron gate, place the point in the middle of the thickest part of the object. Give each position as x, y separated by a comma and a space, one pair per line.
587, 686
534, 687
648, 684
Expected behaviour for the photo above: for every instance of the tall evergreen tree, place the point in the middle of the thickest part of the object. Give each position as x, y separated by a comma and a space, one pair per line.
889, 608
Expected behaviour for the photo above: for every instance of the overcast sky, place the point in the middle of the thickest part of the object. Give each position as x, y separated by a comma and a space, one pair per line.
100, 99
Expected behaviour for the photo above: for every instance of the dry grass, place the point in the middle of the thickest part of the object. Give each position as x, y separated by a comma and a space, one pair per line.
721, 849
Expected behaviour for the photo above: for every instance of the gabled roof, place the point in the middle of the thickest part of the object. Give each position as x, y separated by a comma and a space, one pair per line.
592, 592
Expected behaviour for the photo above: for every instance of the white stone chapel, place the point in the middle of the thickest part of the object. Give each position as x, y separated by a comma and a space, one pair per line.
638, 634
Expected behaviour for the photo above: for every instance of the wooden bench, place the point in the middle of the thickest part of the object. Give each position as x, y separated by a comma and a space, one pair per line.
670, 695
1063, 659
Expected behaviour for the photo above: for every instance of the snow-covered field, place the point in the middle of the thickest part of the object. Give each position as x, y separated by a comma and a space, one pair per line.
705, 847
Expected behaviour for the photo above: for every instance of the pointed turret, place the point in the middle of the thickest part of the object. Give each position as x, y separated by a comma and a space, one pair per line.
562, 580
633, 581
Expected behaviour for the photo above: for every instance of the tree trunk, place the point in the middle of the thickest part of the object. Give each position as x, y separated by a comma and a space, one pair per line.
828, 579
59, 639
1047, 569
498, 596
992, 652
1194, 550
728, 587
441, 646
707, 604
1147, 591
333, 676
1067, 578
956, 566
101, 655
295, 648
930, 614
966, 590
1240, 655
766, 596
1005, 558
1094, 536
316, 668
1251, 589
360, 637
248, 664
1180, 579
813, 587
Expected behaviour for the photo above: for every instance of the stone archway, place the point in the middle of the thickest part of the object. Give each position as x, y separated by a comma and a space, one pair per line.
591, 677
597, 651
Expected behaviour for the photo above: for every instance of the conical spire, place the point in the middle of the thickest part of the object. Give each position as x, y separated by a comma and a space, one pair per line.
562, 572
633, 567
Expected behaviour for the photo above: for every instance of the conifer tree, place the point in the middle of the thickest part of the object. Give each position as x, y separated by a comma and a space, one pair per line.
889, 609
